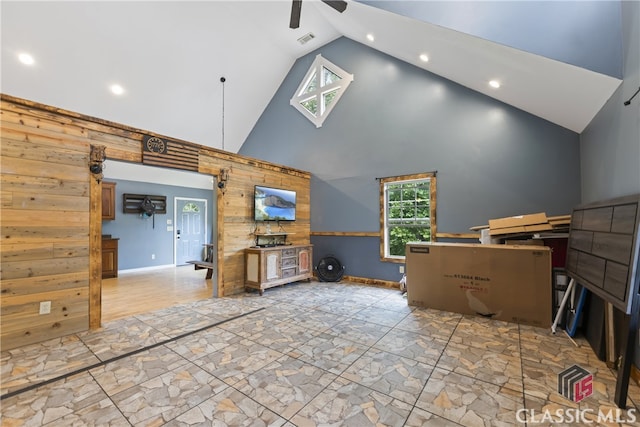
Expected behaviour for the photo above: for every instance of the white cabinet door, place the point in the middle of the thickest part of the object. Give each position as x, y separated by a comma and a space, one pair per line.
272, 265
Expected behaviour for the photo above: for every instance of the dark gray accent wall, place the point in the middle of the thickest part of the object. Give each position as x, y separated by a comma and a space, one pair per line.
610, 145
492, 160
139, 239
581, 33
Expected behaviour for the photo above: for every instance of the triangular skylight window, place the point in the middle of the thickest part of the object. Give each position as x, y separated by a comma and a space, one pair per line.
315, 99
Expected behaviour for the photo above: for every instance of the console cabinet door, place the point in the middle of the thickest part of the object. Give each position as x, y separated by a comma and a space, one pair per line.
272, 265
253, 272
304, 260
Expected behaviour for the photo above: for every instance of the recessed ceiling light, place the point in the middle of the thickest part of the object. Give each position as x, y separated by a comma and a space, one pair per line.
424, 57
370, 37
26, 59
494, 84
116, 89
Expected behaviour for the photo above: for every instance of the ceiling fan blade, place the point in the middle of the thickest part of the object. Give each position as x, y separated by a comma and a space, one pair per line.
296, 8
338, 5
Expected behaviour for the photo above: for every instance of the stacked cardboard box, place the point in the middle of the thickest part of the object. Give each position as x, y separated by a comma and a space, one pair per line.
560, 223
519, 224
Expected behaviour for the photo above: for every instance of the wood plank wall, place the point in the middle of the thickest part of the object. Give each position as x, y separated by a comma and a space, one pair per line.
49, 219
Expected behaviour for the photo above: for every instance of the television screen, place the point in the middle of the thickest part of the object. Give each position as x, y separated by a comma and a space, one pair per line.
274, 204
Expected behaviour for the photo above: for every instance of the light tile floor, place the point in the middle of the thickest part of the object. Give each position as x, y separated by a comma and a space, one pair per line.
306, 354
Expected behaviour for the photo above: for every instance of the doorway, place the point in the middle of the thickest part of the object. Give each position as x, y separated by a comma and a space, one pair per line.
182, 280
191, 231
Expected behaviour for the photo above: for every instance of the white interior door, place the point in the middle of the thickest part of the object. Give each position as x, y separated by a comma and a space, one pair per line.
190, 229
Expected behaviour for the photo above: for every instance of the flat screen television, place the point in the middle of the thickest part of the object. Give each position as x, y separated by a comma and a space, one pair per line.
274, 204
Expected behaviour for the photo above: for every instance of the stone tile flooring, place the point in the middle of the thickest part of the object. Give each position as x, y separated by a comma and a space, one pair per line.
306, 354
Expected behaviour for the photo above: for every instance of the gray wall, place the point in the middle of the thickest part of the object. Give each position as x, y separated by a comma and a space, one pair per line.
492, 160
138, 237
583, 33
610, 146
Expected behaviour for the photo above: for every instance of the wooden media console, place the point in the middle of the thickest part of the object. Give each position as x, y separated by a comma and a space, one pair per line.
278, 265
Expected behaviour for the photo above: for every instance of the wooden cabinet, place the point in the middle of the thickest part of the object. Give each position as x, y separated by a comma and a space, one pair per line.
275, 266
108, 200
109, 257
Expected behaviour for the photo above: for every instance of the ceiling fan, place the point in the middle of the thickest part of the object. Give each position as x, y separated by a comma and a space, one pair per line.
296, 8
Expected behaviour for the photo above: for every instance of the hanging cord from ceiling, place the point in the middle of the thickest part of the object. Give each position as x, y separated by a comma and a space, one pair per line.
222, 80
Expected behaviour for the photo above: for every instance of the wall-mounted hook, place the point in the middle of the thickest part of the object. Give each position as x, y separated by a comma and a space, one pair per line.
97, 157
223, 178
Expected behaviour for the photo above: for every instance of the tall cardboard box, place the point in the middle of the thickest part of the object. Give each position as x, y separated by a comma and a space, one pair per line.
502, 282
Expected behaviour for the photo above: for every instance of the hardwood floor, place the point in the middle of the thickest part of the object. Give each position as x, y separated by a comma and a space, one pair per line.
141, 292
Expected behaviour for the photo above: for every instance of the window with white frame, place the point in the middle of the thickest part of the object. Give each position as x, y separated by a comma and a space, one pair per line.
320, 90
407, 213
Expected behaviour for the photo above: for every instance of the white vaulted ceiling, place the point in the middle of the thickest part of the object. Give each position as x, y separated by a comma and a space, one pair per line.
170, 55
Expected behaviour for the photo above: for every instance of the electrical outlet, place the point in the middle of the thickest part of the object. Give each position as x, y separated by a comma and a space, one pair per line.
45, 307
153, 256
402, 269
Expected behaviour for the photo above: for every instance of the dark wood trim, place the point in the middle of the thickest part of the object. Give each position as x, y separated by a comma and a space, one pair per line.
423, 175
432, 206
95, 252
474, 236
220, 203
373, 282
368, 281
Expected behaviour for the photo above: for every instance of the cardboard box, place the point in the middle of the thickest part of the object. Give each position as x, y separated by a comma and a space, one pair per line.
502, 282
519, 224
518, 220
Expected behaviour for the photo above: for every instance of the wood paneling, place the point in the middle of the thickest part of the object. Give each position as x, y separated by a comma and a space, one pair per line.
51, 215
31, 285
44, 225
30, 184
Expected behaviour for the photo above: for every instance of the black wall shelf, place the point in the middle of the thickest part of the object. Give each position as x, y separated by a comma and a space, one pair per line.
131, 203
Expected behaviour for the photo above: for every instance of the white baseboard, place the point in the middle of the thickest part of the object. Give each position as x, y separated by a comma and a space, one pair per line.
143, 269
